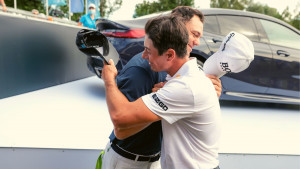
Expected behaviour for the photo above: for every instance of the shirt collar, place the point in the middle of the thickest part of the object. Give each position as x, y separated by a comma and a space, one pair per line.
188, 66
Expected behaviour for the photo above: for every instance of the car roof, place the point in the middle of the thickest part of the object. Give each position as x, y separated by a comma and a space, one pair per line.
222, 11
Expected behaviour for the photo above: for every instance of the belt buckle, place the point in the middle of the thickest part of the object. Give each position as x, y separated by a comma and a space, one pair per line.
148, 159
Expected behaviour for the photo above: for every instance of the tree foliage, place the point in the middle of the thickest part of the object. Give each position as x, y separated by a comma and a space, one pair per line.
230, 4
107, 7
249, 5
161, 5
27, 5
296, 21
164, 5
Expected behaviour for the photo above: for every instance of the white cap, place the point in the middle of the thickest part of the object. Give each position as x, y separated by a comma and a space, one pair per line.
234, 55
92, 5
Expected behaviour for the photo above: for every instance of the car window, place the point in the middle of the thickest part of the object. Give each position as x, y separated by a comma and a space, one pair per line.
281, 35
211, 24
243, 25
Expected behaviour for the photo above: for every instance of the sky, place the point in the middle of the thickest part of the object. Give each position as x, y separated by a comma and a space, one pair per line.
128, 7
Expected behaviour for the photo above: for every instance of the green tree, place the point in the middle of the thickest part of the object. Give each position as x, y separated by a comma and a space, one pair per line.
249, 5
230, 4
286, 15
27, 5
264, 9
147, 7
107, 7
296, 21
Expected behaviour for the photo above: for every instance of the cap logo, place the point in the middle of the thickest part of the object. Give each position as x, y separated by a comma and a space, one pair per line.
225, 67
230, 36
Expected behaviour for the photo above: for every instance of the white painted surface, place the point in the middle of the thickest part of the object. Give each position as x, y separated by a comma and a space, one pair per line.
72, 115
75, 116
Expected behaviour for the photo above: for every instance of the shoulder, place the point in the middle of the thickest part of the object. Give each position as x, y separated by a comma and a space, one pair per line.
197, 87
135, 82
83, 18
135, 75
137, 60
138, 67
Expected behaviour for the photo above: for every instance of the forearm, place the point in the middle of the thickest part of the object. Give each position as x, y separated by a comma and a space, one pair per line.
116, 103
123, 133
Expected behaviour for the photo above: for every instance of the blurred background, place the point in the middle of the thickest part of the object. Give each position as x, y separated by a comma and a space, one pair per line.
289, 11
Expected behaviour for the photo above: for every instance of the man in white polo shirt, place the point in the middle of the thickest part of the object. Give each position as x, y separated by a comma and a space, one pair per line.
187, 104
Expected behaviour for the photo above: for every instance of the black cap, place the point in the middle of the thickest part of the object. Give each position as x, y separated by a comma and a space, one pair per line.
97, 48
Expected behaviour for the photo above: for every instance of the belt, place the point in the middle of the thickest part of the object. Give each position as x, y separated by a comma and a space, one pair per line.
132, 156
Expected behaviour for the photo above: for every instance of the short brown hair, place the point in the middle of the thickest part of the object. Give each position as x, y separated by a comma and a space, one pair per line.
168, 32
187, 13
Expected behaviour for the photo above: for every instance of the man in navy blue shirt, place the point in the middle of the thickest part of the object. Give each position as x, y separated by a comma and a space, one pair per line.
136, 79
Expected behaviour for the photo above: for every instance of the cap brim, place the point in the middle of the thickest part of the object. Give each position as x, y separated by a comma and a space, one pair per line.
212, 67
111, 52
96, 45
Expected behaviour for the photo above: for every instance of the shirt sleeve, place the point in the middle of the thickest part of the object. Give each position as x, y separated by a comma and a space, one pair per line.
172, 102
135, 82
82, 19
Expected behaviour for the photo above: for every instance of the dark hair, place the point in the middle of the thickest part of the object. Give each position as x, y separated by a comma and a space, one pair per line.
187, 13
168, 32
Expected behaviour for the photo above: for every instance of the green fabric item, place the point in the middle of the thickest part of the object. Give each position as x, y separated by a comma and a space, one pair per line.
99, 161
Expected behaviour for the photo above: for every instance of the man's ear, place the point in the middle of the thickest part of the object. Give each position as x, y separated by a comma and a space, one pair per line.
170, 54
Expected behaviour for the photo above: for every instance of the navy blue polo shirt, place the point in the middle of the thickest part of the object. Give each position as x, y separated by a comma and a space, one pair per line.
137, 79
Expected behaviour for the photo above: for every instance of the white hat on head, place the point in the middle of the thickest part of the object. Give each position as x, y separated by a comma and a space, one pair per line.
92, 5
234, 55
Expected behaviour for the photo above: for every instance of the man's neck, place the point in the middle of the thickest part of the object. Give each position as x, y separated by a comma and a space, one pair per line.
177, 64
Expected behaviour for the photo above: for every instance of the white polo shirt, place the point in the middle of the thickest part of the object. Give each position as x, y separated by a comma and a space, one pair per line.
190, 112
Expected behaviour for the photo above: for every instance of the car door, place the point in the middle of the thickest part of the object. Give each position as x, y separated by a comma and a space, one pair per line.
285, 46
255, 79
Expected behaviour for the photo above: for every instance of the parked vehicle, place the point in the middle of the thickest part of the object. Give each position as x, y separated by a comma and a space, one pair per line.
274, 74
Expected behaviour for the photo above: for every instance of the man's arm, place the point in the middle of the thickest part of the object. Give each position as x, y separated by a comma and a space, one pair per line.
79, 24
123, 133
214, 79
124, 114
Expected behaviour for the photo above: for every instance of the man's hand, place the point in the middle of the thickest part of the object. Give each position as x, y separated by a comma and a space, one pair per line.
158, 86
217, 83
109, 72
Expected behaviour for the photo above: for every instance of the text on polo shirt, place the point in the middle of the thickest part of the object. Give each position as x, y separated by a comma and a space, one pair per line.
160, 103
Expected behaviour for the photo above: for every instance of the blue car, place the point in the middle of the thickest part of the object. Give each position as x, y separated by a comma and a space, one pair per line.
273, 76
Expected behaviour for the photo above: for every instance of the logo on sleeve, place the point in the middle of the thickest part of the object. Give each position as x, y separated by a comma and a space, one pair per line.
160, 103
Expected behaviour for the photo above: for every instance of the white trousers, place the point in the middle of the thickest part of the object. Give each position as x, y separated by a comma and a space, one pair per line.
112, 160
